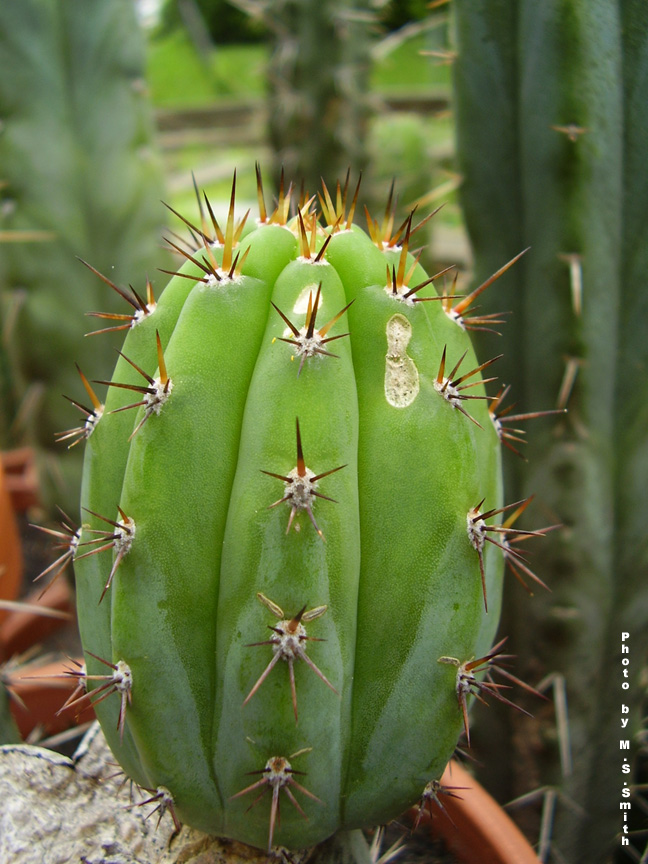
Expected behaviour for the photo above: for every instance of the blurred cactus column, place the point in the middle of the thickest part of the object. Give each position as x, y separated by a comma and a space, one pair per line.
79, 177
318, 77
552, 125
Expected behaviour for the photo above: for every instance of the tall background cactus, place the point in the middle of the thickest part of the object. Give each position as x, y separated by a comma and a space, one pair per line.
81, 178
318, 76
552, 133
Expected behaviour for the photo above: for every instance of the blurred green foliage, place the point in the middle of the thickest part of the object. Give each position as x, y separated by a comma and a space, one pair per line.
81, 178
228, 24
225, 22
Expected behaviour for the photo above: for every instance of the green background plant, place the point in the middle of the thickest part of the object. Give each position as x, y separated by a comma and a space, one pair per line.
551, 128
78, 165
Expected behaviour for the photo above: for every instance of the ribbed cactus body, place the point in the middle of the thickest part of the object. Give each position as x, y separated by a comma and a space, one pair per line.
291, 545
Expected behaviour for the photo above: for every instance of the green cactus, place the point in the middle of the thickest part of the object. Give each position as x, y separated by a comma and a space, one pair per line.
552, 135
297, 462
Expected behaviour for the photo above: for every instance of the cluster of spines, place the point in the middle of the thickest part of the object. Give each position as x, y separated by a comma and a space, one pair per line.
288, 645
142, 308
278, 775
383, 233
119, 680
307, 339
300, 484
92, 416
469, 683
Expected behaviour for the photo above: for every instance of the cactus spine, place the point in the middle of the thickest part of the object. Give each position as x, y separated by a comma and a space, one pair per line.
288, 573
551, 127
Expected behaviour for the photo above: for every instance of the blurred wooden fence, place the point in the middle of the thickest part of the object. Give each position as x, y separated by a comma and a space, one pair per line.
243, 123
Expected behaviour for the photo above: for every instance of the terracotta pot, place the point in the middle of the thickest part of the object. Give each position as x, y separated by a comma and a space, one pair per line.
11, 562
41, 691
474, 826
27, 627
21, 478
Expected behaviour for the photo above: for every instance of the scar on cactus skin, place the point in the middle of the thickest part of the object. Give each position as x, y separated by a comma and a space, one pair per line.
93, 415
287, 644
431, 793
121, 540
278, 774
307, 339
142, 308
68, 537
155, 395
301, 485
467, 681
478, 532
451, 388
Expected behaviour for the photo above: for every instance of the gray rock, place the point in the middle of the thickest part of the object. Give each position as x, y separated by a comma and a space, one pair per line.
55, 810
